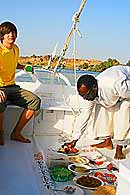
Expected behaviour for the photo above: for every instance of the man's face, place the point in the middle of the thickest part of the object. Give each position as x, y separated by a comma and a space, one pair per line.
9, 38
88, 94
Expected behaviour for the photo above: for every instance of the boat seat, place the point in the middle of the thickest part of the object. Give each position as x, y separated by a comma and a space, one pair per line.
43, 106
55, 107
10, 104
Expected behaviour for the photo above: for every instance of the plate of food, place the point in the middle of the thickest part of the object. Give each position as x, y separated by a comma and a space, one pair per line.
108, 178
78, 159
95, 156
69, 151
88, 182
79, 169
101, 161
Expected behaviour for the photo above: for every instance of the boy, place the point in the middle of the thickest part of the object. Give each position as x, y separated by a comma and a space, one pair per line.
9, 54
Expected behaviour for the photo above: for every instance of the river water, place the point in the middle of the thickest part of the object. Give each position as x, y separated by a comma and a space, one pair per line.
45, 76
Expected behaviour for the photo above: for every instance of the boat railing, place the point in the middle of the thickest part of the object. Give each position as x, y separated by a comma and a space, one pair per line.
53, 96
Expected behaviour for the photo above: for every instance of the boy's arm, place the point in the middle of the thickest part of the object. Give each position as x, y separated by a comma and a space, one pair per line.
20, 66
27, 68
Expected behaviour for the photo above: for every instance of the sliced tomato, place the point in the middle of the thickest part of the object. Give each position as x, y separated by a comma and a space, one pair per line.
111, 176
74, 150
98, 173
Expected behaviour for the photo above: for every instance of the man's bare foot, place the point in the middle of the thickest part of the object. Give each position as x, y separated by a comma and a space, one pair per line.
119, 154
19, 137
1, 137
106, 144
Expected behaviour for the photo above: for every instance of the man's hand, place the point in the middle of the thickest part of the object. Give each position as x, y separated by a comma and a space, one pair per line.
2, 96
70, 144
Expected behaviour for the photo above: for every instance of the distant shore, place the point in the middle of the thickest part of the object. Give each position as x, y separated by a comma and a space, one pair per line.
81, 64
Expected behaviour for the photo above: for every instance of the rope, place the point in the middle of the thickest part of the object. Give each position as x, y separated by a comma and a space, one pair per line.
73, 31
75, 19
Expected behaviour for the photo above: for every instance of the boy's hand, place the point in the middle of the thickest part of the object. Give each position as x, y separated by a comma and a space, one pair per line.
2, 96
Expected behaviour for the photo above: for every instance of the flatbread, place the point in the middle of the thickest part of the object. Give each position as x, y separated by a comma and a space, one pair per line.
105, 190
78, 159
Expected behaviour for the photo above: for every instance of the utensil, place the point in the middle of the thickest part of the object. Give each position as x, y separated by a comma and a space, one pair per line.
78, 168
67, 190
94, 169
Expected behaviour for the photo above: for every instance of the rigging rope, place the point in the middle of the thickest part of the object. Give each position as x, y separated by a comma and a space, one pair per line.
73, 31
75, 19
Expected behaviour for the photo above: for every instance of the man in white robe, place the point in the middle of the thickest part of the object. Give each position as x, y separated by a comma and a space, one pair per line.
109, 95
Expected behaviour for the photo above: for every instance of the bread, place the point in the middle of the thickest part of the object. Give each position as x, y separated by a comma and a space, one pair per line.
105, 190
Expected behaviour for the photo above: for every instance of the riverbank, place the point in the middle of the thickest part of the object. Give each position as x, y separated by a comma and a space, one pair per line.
80, 64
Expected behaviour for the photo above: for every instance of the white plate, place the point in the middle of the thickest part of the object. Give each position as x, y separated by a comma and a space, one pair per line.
72, 167
85, 187
78, 191
73, 154
78, 159
93, 155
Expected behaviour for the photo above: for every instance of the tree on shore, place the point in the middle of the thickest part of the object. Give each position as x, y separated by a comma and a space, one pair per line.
128, 63
104, 65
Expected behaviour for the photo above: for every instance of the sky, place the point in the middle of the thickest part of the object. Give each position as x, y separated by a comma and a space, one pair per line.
104, 25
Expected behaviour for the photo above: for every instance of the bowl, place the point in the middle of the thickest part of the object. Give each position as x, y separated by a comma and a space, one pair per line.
60, 174
78, 168
55, 159
88, 182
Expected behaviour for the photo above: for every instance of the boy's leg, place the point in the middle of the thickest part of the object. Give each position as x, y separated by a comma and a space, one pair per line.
30, 102
1, 129
23, 120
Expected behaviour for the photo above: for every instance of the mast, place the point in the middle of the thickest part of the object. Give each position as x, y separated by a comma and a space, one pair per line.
75, 19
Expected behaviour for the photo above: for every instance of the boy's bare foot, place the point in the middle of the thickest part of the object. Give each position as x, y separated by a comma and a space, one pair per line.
105, 144
19, 137
119, 154
1, 137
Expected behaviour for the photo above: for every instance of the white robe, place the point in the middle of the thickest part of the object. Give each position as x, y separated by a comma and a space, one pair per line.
111, 108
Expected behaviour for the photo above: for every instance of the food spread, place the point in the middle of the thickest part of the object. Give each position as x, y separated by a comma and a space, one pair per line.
95, 160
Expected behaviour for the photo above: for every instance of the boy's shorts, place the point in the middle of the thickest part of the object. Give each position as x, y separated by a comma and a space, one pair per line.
20, 97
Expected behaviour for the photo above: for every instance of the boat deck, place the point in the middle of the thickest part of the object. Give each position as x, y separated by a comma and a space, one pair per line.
19, 172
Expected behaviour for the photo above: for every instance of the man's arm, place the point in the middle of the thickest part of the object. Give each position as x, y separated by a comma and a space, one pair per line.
82, 122
83, 119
